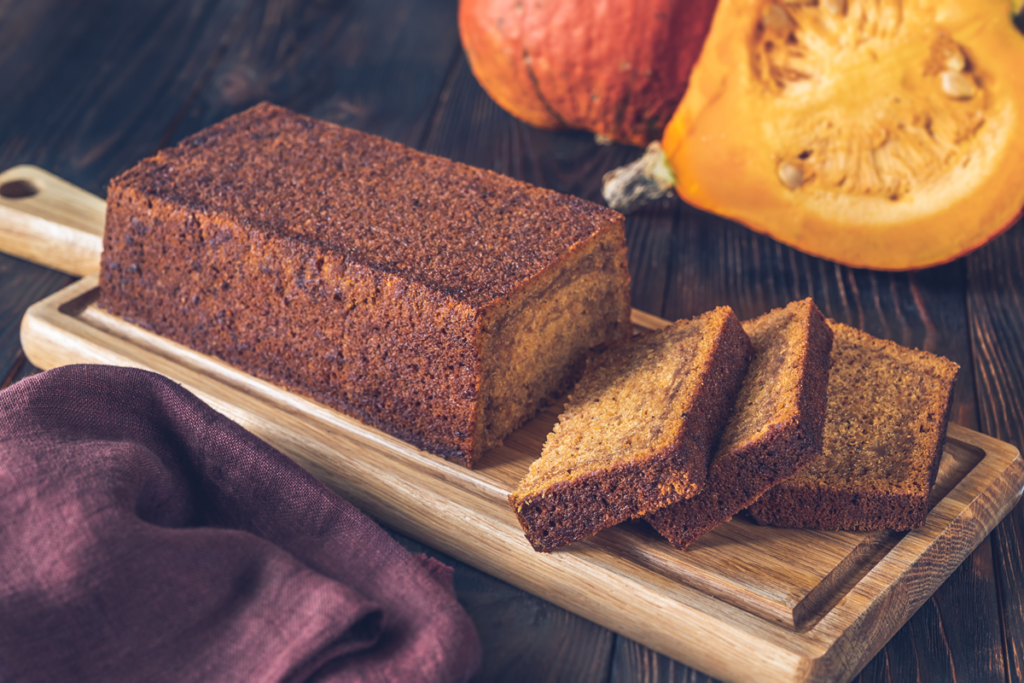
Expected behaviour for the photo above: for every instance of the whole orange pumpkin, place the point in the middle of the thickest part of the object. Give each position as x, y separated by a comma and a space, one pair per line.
617, 68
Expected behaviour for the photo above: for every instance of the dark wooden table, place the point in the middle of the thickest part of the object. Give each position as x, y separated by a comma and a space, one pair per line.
90, 87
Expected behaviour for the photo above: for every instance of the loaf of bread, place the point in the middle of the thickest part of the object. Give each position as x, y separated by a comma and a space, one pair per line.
888, 407
775, 429
439, 302
637, 431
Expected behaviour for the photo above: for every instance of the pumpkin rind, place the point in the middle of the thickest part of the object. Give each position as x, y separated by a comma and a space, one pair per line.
617, 68
726, 142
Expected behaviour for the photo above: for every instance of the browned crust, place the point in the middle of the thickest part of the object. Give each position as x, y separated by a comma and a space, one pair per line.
574, 510
737, 478
571, 510
465, 232
346, 354
809, 504
339, 265
839, 510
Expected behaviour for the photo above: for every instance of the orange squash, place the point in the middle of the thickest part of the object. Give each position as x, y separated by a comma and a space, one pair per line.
617, 68
884, 134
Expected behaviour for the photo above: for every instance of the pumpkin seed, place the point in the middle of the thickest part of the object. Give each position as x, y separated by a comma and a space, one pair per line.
791, 175
957, 84
899, 133
946, 55
776, 19
955, 59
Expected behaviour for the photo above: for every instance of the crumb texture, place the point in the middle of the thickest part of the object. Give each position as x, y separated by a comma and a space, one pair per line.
775, 428
888, 407
637, 431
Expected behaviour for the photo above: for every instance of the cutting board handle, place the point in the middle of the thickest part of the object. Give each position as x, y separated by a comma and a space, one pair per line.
49, 221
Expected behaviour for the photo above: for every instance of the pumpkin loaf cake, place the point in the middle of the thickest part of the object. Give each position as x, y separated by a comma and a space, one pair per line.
776, 426
888, 407
439, 302
637, 430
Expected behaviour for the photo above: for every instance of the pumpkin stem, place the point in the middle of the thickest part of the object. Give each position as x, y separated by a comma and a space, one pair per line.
648, 178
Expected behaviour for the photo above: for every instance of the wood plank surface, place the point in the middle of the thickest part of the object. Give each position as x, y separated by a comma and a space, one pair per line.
22, 284
995, 299
95, 86
100, 83
375, 65
800, 605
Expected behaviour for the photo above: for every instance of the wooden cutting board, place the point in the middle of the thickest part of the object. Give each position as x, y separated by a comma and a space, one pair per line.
744, 603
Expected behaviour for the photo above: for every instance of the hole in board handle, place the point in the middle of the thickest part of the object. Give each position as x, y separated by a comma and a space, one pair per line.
18, 189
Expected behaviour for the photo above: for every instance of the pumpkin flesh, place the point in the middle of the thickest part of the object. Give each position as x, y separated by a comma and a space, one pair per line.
874, 133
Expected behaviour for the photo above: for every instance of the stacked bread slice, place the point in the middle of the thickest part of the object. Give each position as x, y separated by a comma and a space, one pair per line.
888, 407
776, 425
842, 434
637, 430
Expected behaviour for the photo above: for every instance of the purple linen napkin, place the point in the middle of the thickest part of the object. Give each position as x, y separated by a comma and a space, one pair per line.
145, 537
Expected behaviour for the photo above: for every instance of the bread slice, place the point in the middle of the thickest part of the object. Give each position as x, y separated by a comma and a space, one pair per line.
776, 427
888, 407
637, 430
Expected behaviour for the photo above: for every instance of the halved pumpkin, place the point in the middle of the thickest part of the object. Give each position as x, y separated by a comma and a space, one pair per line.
884, 134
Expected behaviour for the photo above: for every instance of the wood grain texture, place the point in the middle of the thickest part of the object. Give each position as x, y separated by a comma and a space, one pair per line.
113, 80
634, 662
995, 299
374, 65
100, 83
21, 284
49, 221
711, 601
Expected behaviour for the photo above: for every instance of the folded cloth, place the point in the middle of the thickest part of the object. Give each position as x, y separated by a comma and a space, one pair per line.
145, 537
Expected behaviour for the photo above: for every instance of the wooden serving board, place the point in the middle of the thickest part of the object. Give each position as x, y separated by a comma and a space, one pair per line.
744, 603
